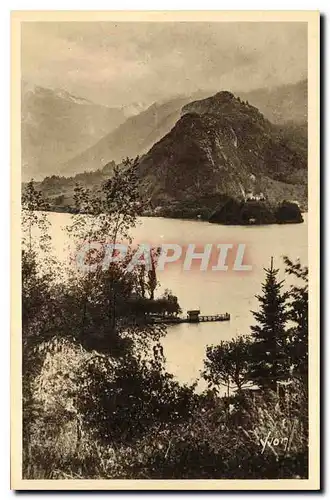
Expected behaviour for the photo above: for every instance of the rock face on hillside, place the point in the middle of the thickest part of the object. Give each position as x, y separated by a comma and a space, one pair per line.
234, 212
287, 213
223, 146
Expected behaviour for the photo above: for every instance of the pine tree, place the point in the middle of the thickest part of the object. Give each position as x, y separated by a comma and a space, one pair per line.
269, 358
298, 315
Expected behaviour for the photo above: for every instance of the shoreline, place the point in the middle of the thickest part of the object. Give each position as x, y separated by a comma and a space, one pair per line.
190, 219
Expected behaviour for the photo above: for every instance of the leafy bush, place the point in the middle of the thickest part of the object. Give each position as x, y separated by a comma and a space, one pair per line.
97, 400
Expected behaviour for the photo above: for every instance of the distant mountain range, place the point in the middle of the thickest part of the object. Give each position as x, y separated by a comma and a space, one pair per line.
134, 137
220, 147
57, 125
64, 134
287, 103
138, 134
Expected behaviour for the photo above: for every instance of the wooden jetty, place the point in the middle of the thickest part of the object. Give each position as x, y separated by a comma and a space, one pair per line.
192, 317
195, 317
216, 317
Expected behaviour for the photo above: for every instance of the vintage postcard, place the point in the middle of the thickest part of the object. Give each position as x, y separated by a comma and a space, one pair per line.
165, 243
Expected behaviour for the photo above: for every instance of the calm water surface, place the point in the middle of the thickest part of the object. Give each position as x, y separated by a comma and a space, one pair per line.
210, 291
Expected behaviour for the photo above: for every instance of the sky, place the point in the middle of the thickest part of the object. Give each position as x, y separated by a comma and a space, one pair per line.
119, 64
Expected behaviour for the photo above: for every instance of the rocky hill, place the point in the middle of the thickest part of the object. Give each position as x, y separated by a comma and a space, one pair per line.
223, 145
139, 133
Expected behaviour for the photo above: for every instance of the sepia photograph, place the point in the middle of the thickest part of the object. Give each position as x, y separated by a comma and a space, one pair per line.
165, 250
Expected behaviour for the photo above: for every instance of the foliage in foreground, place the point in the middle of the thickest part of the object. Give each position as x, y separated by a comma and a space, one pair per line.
98, 402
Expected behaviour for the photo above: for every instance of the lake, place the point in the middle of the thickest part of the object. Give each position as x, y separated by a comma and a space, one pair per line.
210, 291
